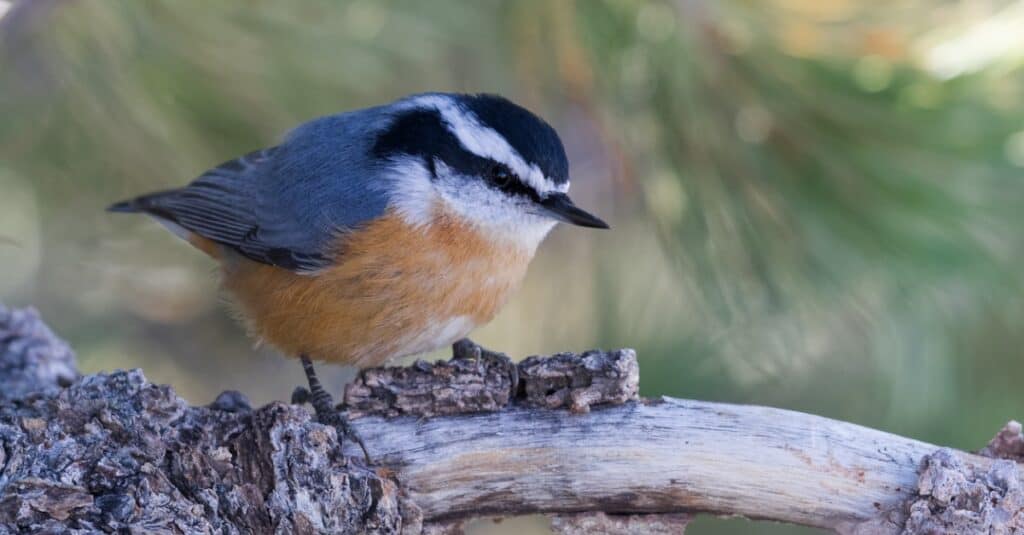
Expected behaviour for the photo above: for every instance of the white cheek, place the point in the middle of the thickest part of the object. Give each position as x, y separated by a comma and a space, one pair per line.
411, 191
415, 195
492, 212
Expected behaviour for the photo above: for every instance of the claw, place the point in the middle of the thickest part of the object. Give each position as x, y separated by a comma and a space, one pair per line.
326, 412
340, 424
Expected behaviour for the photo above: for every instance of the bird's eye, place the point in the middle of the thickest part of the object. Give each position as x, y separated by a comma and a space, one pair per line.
505, 180
502, 176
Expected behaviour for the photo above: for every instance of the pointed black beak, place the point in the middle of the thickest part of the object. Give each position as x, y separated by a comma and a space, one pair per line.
560, 207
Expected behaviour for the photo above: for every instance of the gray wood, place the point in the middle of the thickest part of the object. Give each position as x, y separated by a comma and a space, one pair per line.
668, 455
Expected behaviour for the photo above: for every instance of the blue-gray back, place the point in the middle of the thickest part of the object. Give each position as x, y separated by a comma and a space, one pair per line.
285, 205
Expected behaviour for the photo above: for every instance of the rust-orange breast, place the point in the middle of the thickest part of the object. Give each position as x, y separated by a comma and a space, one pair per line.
396, 290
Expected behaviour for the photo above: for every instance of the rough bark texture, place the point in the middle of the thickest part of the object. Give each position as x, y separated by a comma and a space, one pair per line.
954, 497
576, 382
113, 453
1007, 444
426, 389
466, 386
32, 358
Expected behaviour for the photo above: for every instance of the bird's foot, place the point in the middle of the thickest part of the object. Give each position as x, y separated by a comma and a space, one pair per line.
467, 349
327, 412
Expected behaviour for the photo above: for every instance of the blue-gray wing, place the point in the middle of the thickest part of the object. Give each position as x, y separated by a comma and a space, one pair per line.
284, 205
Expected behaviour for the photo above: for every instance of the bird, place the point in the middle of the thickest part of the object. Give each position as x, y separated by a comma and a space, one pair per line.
381, 232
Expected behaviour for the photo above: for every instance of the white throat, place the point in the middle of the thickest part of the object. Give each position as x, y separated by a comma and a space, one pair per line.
419, 199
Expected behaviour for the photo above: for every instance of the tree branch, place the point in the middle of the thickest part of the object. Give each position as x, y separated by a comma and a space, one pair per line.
564, 435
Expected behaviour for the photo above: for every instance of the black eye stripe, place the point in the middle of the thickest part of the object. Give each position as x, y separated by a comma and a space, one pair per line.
422, 133
505, 180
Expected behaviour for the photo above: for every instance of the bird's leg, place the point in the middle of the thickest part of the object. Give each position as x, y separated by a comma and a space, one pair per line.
470, 350
323, 404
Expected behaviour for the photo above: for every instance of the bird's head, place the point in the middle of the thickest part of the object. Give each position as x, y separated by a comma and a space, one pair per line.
490, 162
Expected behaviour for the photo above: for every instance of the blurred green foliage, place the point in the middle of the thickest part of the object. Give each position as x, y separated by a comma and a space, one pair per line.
816, 205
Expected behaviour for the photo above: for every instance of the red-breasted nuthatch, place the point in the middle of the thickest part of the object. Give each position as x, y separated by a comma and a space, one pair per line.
379, 233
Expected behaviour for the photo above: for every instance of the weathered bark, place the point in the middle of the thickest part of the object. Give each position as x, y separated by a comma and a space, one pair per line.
954, 497
33, 360
467, 386
564, 435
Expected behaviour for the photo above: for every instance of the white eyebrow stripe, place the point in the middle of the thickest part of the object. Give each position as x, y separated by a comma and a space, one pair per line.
487, 142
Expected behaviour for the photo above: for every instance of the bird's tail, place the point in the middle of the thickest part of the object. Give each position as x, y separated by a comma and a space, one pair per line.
148, 204
129, 206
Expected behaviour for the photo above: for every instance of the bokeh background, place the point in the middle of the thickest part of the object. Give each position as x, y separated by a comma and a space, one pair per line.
817, 204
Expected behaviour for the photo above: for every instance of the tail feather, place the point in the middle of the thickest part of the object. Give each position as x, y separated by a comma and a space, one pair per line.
148, 204
129, 206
